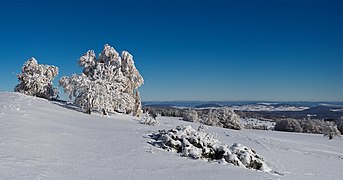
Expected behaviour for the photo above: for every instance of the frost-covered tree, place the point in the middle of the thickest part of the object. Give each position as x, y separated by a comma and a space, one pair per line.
138, 105
133, 79
36, 80
331, 130
311, 126
190, 115
229, 119
289, 125
211, 118
339, 123
224, 117
107, 84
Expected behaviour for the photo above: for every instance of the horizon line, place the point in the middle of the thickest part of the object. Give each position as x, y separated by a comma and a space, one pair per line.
322, 101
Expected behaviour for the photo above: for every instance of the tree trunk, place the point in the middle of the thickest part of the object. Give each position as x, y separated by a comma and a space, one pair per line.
104, 112
88, 111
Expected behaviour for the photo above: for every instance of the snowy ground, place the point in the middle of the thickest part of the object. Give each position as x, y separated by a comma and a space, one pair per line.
42, 140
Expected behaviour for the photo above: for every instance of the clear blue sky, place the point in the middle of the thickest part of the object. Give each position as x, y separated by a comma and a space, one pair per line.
204, 50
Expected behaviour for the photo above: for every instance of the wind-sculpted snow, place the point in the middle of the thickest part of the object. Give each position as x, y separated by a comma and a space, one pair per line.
197, 144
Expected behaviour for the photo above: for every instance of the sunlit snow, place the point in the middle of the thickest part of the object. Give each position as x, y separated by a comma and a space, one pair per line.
40, 139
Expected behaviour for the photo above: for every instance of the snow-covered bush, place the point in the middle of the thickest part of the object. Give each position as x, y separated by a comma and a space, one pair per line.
147, 119
331, 130
108, 83
197, 144
223, 117
190, 115
289, 125
36, 80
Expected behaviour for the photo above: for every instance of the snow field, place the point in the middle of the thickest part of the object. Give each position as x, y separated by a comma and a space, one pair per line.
40, 139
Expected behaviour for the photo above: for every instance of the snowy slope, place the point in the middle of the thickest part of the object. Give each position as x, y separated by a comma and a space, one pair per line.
42, 140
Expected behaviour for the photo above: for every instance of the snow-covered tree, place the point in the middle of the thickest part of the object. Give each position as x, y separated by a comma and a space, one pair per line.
331, 130
211, 118
224, 117
36, 80
339, 123
229, 119
107, 84
312, 125
138, 104
133, 78
190, 115
289, 125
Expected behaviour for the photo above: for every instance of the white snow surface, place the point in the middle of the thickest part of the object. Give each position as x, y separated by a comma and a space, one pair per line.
42, 140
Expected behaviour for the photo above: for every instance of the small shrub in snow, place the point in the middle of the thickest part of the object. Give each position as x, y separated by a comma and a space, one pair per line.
148, 120
36, 80
197, 144
331, 130
190, 115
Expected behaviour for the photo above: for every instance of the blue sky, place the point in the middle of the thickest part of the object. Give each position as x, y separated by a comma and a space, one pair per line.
188, 50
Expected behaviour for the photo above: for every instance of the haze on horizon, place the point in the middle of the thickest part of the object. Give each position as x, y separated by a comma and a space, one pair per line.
188, 50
